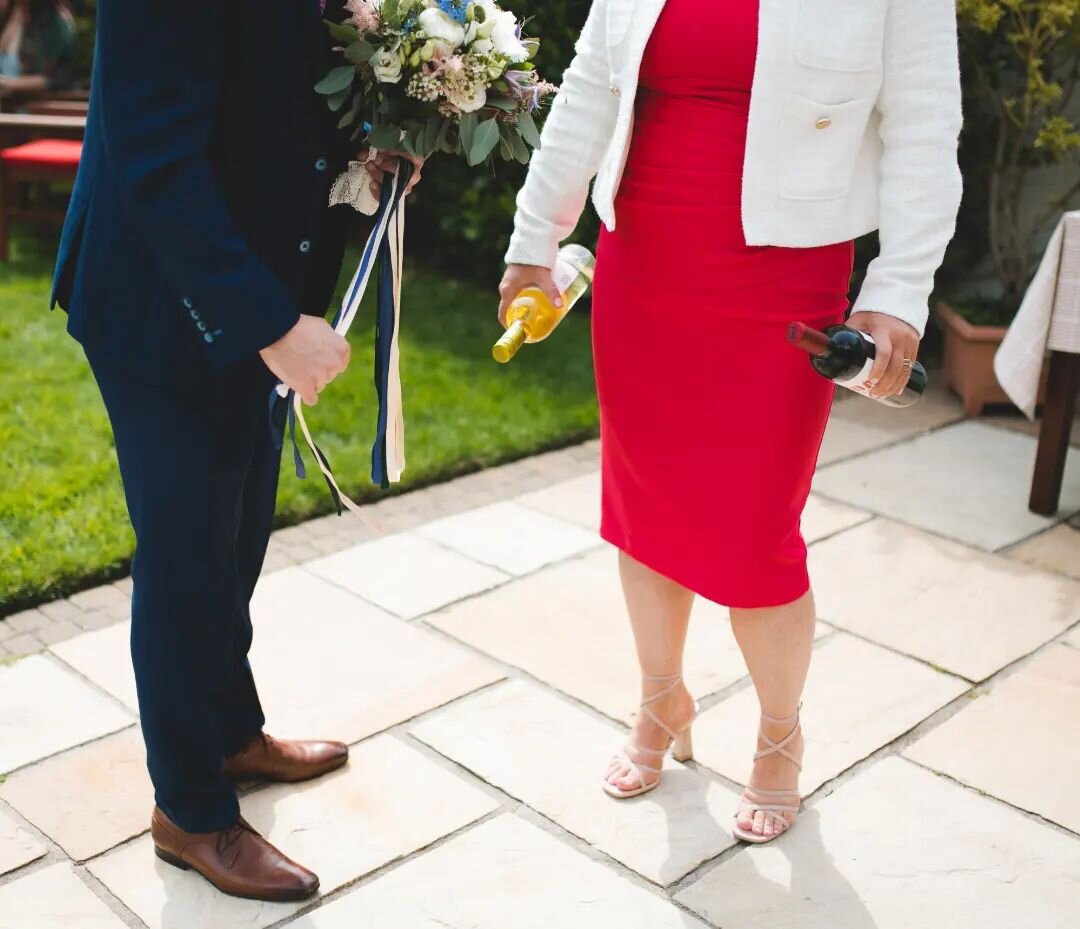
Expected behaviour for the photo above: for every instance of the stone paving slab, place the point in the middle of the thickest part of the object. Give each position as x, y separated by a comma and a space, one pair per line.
574, 501
857, 426
389, 802
104, 658
406, 574
1073, 638
505, 874
859, 697
37, 698
327, 664
1015, 743
940, 482
54, 898
567, 626
541, 750
1056, 550
512, 538
89, 799
968, 612
18, 846
897, 848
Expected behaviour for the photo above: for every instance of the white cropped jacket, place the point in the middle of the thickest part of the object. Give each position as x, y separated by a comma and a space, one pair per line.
853, 126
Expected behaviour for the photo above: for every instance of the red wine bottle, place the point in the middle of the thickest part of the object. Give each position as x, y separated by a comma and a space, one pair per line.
846, 356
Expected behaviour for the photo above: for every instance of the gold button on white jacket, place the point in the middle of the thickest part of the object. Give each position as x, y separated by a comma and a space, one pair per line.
853, 126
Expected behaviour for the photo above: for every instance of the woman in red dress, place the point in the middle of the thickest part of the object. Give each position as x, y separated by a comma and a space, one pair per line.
710, 422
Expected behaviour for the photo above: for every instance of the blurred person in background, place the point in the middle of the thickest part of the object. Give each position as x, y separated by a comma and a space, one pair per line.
37, 45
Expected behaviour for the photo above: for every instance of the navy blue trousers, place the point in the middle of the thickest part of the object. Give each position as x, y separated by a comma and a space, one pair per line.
200, 476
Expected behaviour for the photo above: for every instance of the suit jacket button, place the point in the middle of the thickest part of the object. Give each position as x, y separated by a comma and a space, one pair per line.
305, 246
201, 326
187, 303
208, 337
822, 123
320, 165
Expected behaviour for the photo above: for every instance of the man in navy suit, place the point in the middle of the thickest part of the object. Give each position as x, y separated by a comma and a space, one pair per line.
197, 261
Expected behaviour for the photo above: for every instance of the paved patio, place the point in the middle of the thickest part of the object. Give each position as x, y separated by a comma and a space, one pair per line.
477, 656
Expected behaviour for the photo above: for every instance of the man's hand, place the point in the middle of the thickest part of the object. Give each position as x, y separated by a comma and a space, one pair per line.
379, 163
517, 278
897, 346
308, 357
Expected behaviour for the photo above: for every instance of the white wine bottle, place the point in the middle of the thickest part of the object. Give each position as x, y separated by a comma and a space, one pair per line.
532, 317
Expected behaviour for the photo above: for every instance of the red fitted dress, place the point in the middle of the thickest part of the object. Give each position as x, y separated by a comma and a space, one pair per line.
710, 422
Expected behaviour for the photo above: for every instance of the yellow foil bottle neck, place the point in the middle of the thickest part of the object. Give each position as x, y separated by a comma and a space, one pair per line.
510, 343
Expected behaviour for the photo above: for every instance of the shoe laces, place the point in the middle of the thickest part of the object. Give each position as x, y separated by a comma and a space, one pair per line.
228, 838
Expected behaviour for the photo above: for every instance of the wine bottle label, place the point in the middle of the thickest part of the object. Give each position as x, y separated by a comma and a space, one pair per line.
860, 383
563, 274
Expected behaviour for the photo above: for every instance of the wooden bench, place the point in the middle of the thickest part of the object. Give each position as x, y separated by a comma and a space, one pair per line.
17, 128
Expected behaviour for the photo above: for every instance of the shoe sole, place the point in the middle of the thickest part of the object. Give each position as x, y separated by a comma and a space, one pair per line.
262, 779
281, 897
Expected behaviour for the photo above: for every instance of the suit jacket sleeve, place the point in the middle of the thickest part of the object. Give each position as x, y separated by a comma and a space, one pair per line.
161, 73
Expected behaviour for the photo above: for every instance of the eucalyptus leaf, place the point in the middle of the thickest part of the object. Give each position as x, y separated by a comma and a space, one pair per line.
519, 148
389, 12
360, 52
529, 132
385, 136
469, 122
341, 32
502, 103
351, 114
444, 134
484, 141
337, 80
429, 140
336, 101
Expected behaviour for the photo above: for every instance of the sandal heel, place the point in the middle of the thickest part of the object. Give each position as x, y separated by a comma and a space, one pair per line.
682, 749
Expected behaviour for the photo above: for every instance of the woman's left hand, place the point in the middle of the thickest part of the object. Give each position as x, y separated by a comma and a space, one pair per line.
896, 348
380, 162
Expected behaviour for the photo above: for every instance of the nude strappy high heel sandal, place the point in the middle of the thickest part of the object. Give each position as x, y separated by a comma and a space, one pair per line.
679, 743
757, 799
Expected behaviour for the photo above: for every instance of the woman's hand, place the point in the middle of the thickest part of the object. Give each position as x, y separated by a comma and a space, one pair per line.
380, 162
517, 278
897, 347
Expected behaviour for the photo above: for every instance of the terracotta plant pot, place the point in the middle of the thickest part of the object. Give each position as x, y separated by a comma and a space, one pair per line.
969, 361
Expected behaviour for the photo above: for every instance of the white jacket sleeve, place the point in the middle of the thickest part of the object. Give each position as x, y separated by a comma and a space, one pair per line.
920, 109
578, 131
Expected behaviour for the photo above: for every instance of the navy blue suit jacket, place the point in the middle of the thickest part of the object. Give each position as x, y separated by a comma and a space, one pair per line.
198, 229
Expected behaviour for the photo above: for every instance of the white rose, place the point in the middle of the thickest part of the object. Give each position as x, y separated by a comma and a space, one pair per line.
505, 38
386, 64
467, 97
490, 11
482, 47
437, 25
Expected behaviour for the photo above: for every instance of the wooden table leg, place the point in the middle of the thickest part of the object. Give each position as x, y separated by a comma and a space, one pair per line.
1061, 390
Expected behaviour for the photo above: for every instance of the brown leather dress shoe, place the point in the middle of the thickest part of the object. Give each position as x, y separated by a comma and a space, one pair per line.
270, 759
237, 861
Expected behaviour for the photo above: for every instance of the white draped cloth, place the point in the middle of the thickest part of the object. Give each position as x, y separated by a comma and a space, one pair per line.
1048, 319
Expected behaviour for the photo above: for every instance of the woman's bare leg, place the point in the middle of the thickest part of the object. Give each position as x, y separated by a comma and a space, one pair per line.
659, 612
776, 644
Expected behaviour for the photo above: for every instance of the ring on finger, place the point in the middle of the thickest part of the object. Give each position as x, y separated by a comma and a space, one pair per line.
908, 363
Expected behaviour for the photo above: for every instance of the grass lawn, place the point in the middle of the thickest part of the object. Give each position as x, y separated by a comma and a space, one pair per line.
62, 520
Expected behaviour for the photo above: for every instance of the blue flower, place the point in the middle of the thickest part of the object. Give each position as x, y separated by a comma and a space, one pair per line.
455, 9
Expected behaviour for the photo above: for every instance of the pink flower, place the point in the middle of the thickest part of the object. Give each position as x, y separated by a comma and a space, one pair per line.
364, 17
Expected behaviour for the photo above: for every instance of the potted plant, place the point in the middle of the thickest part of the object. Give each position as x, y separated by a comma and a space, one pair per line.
1022, 67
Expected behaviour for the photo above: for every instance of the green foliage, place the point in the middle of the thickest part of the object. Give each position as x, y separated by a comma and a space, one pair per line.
1022, 69
63, 524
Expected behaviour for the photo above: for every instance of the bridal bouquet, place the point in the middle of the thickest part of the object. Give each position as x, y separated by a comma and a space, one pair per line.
417, 76
423, 76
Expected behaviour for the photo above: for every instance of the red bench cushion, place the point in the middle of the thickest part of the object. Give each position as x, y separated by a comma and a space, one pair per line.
50, 154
